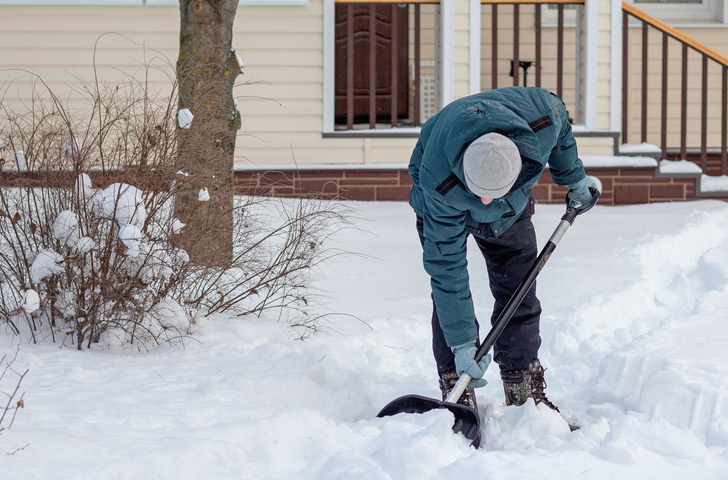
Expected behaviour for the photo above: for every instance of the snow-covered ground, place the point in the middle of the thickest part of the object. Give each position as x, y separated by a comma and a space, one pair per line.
635, 338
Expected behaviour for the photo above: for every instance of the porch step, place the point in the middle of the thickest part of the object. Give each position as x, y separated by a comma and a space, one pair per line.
626, 180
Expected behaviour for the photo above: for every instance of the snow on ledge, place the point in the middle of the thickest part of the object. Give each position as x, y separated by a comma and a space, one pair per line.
590, 161
713, 184
678, 167
605, 161
630, 148
287, 167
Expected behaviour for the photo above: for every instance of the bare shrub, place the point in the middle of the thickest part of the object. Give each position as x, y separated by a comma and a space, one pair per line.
9, 376
89, 246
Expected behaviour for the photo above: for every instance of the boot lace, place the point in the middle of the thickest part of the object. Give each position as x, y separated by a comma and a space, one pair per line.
538, 385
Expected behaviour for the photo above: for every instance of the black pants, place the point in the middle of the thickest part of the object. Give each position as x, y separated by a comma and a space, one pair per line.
508, 258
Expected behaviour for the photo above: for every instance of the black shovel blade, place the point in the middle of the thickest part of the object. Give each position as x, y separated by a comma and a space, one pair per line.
467, 420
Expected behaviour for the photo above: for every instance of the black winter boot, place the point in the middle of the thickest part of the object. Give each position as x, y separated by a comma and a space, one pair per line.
519, 385
448, 381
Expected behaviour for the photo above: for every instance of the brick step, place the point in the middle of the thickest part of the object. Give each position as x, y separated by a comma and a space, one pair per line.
625, 181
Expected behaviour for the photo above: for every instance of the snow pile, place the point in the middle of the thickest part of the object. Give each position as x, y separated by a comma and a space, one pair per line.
634, 342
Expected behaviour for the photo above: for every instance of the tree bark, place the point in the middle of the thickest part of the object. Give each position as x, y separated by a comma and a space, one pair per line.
206, 71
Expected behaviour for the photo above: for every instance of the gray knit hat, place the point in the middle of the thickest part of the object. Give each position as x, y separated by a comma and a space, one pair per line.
491, 164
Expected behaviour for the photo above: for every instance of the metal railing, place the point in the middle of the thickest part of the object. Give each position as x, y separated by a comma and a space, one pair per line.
544, 27
707, 57
529, 41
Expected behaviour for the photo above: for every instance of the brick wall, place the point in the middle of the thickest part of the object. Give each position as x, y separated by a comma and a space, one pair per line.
621, 185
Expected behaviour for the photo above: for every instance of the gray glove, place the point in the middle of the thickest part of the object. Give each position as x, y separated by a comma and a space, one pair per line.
465, 363
579, 192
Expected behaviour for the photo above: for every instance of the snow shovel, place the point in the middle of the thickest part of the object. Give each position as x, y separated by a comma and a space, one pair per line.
467, 419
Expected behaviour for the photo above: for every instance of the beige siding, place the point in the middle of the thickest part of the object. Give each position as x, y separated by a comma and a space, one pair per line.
281, 94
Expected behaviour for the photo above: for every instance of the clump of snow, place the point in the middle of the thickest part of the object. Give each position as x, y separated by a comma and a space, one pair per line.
122, 202
184, 118
31, 301
19, 158
83, 187
177, 226
204, 195
45, 264
238, 59
131, 236
84, 245
65, 228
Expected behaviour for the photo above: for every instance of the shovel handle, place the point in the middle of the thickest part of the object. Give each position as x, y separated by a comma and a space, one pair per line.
459, 388
505, 316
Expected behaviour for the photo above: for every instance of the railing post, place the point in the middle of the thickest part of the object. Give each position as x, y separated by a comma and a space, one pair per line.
418, 77
494, 45
394, 104
724, 124
663, 110
373, 66
560, 54
684, 104
538, 45
704, 117
516, 66
625, 76
350, 67
645, 57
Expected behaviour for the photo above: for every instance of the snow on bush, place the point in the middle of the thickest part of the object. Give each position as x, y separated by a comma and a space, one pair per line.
104, 232
94, 270
65, 228
120, 202
31, 301
83, 187
46, 264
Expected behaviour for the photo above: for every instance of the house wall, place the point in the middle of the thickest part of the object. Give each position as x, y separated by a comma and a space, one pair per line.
280, 95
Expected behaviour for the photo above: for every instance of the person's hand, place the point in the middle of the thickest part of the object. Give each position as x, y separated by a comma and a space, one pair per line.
580, 192
465, 363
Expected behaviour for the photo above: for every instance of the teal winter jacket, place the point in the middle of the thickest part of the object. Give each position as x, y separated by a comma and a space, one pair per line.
536, 121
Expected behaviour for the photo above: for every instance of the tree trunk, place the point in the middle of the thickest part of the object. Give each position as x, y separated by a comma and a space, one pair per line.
206, 71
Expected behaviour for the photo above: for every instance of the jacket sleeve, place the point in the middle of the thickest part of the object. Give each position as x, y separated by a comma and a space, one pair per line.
564, 163
444, 258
